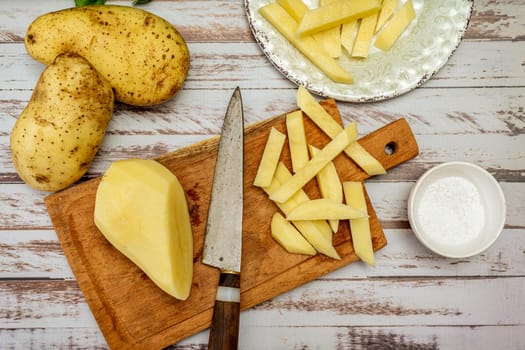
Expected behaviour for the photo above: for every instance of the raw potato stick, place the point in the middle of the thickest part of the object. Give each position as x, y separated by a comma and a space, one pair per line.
295, 8
334, 14
364, 36
395, 27
316, 232
270, 158
287, 26
360, 227
329, 185
320, 226
297, 140
348, 34
364, 159
330, 39
309, 105
325, 209
308, 172
289, 237
387, 9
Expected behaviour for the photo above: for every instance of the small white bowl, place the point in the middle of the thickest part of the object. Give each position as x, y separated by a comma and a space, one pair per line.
457, 209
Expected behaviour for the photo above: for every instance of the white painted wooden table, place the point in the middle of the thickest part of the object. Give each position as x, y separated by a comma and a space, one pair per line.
473, 109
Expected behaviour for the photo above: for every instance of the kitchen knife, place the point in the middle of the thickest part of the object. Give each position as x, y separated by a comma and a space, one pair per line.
222, 244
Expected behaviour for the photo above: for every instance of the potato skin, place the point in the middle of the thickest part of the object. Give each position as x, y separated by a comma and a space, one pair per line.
143, 56
56, 137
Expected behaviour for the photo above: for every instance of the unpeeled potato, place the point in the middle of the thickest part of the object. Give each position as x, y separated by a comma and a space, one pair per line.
143, 56
56, 137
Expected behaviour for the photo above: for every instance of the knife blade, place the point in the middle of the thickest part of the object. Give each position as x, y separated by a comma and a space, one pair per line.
223, 240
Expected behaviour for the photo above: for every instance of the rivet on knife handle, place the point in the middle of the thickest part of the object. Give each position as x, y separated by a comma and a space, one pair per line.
224, 331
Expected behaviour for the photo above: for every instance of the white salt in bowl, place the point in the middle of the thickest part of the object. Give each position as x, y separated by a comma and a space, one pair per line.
457, 209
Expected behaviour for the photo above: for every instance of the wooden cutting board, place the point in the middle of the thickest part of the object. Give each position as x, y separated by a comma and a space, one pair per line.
133, 313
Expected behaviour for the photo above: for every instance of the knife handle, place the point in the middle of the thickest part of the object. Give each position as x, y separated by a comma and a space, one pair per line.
224, 331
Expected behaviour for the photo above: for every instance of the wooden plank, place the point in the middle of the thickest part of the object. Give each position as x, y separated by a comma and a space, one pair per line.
396, 302
215, 65
68, 337
372, 337
40, 303
198, 21
336, 303
296, 337
503, 160
389, 199
34, 254
467, 111
495, 57
497, 20
498, 154
79, 338
224, 20
455, 130
420, 337
22, 208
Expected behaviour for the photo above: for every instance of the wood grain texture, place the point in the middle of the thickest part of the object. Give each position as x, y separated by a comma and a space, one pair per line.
214, 64
473, 109
291, 337
377, 306
33, 254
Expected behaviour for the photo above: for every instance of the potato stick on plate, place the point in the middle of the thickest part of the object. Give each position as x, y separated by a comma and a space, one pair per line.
295, 8
287, 26
348, 34
334, 14
395, 27
387, 9
364, 36
330, 39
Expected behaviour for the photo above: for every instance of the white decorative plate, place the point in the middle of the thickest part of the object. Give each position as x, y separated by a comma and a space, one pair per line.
417, 55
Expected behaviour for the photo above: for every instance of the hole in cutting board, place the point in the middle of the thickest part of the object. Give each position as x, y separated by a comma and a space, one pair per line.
390, 148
